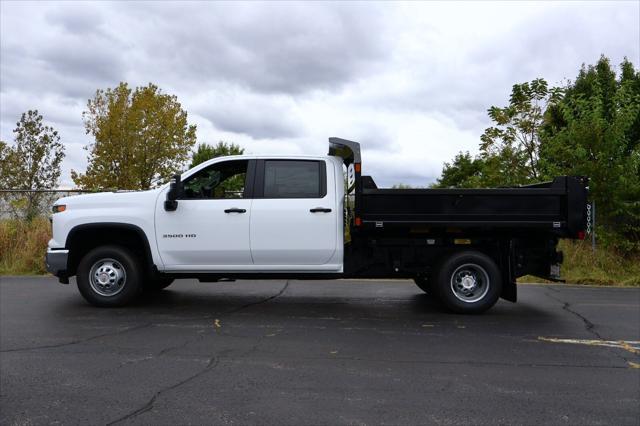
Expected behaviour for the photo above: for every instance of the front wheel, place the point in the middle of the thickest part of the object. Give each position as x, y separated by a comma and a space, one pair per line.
468, 282
109, 276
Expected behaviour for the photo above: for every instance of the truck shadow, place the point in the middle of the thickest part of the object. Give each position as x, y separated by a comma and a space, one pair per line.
415, 306
398, 304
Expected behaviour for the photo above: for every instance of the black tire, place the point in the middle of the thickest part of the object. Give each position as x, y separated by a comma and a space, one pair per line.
157, 284
423, 284
468, 282
110, 276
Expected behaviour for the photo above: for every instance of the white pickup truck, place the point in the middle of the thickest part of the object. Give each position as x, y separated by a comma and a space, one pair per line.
310, 217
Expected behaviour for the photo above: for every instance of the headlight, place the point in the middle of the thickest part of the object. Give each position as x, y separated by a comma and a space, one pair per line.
58, 208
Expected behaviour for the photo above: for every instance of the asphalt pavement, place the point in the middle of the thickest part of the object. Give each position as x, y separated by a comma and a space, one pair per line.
317, 353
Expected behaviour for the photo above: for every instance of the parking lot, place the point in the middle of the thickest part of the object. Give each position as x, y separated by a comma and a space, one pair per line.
317, 352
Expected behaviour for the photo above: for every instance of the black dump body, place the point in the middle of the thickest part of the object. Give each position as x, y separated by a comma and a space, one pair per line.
557, 207
408, 232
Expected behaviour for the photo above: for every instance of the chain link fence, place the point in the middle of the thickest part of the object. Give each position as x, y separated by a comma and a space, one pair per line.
16, 203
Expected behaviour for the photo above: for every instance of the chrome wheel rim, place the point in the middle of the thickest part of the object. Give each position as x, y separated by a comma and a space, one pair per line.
107, 277
470, 283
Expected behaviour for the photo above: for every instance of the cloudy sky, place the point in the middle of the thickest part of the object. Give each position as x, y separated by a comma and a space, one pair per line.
410, 81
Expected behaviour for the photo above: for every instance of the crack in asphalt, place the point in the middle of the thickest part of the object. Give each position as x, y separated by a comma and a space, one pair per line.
260, 302
223, 315
126, 330
588, 325
78, 341
212, 363
201, 335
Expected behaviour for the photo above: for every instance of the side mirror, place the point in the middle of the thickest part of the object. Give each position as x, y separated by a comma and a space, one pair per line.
175, 189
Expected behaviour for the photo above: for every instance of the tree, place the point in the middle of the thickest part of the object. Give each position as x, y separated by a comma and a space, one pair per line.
4, 163
142, 137
590, 127
510, 149
512, 145
464, 171
593, 131
4, 174
207, 152
32, 163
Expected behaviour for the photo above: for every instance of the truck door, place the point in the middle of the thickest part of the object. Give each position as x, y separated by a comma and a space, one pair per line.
210, 228
293, 216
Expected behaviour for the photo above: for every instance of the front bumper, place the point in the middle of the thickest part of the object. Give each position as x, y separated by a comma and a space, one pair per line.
56, 261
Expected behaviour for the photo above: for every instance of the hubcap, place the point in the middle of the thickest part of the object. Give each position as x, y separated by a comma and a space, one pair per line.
107, 277
470, 282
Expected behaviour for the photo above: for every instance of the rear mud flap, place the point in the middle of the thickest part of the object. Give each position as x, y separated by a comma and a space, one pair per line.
510, 291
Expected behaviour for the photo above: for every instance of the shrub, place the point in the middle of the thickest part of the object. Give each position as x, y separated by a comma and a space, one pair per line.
23, 245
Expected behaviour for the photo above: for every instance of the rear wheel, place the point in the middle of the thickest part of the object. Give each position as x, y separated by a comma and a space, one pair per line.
109, 276
468, 282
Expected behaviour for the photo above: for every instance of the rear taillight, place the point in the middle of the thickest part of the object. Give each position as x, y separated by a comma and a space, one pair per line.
581, 235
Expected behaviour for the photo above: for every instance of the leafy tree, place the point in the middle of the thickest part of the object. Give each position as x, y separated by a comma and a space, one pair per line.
141, 138
207, 152
464, 171
4, 162
510, 149
32, 163
593, 131
590, 127
512, 145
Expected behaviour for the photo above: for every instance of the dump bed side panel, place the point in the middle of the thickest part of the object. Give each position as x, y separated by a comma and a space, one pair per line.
557, 207
449, 208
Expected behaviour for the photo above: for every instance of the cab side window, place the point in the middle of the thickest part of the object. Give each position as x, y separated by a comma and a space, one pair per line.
219, 181
294, 179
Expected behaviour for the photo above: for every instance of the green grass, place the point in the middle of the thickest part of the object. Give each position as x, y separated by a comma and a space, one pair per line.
603, 266
23, 245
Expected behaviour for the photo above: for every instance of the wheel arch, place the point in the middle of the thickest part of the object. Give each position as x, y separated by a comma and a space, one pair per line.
85, 237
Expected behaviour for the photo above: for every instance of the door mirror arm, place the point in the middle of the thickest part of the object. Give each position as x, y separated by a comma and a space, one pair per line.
175, 190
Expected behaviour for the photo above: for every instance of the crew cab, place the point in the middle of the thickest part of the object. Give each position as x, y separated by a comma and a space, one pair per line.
313, 217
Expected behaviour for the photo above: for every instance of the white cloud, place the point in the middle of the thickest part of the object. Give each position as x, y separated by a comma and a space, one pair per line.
410, 81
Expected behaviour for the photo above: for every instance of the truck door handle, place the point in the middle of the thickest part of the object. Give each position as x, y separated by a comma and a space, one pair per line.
320, 210
235, 210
